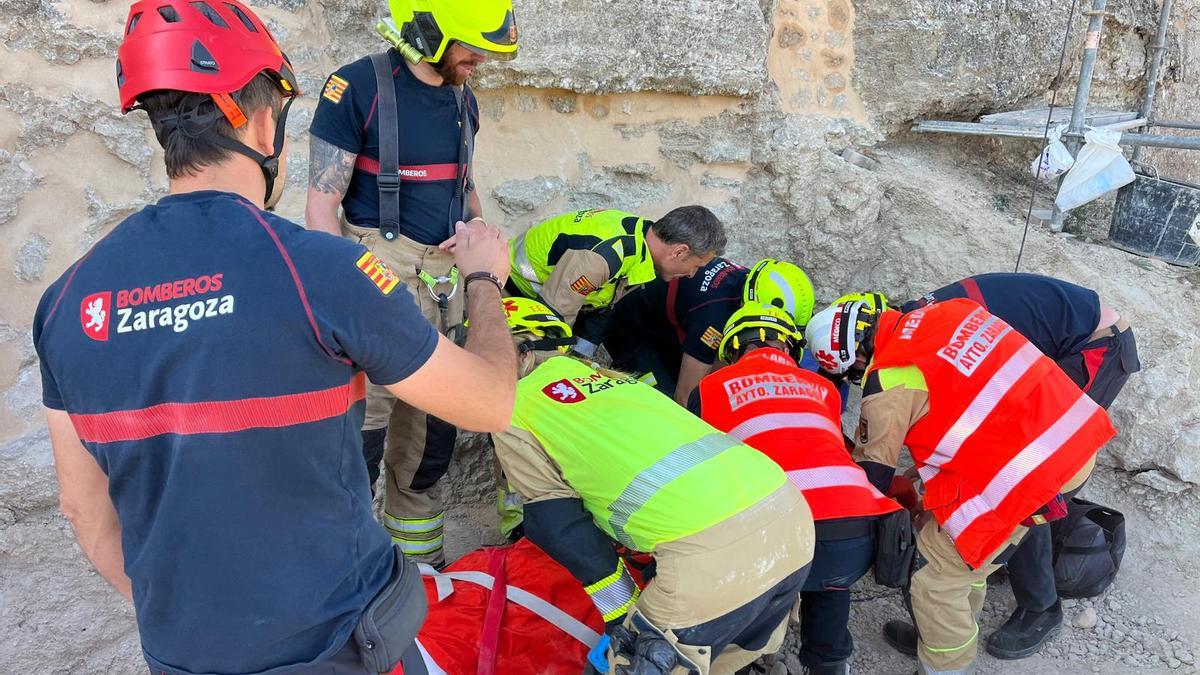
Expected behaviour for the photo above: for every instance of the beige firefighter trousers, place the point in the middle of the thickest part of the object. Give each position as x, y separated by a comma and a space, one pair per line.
718, 570
419, 446
947, 595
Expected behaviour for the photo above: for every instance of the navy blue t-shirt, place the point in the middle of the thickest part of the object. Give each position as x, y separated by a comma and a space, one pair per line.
1055, 315
211, 356
347, 116
685, 315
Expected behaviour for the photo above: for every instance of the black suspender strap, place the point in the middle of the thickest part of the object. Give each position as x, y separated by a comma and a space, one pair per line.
466, 149
388, 120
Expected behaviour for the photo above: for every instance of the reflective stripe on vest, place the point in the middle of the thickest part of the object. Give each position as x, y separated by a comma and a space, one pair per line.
832, 476
522, 264
772, 421
615, 594
792, 416
1006, 429
1022, 465
653, 472
982, 406
656, 476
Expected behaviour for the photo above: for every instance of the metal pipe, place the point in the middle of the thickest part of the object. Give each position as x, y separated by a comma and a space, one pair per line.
1156, 57
1083, 91
1002, 130
977, 129
1157, 141
1176, 124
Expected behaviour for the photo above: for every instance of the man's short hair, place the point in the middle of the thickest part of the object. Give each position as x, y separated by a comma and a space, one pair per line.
186, 153
695, 226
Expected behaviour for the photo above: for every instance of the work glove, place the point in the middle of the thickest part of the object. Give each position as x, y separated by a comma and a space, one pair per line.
652, 655
598, 656
622, 641
904, 493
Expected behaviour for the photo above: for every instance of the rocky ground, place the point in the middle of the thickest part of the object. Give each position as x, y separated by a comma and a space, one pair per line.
60, 616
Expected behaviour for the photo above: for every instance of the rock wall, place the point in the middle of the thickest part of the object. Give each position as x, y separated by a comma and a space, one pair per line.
743, 106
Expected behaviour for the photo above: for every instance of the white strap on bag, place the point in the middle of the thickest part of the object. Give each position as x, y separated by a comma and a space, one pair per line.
546, 611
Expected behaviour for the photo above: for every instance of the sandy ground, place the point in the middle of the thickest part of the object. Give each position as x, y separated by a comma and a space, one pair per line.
59, 616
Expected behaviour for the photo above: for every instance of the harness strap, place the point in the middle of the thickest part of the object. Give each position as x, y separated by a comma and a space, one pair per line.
466, 150
389, 148
489, 638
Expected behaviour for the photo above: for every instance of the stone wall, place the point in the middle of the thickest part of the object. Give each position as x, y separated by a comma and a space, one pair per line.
744, 105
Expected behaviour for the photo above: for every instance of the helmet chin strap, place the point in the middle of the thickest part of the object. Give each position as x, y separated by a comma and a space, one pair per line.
269, 164
545, 344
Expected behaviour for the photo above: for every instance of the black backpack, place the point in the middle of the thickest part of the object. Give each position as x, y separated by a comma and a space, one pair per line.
1089, 544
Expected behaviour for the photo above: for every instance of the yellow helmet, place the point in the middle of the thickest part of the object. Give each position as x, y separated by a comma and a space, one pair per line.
486, 27
876, 302
530, 317
752, 323
782, 285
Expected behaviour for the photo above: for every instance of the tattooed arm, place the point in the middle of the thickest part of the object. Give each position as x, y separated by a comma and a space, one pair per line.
329, 171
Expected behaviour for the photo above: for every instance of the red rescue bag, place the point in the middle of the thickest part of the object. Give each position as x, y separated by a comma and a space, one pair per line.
508, 609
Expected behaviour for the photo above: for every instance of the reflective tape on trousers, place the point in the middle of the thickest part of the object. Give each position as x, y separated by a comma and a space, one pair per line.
1022, 465
414, 525
418, 546
654, 477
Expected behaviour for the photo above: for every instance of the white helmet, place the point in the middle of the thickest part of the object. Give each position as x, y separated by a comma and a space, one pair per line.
835, 335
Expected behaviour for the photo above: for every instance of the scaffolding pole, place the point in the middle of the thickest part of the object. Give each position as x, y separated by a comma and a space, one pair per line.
1156, 57
1161, 141
1091, 48
1176, 124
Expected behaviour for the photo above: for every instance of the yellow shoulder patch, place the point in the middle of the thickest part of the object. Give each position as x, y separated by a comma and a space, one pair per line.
902, 376
378, 272
334, 89
711, 338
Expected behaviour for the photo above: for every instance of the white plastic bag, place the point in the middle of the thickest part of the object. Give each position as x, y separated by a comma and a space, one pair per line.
1055, 159
1099, 169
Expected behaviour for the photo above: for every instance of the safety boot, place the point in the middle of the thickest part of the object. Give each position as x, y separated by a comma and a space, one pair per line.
901, 635
1025, 632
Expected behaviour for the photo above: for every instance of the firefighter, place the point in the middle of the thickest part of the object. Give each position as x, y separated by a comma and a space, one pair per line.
600, 458
204, 366
996, 431
399, 167
794, 417
580, 263
1096, 348
669, 331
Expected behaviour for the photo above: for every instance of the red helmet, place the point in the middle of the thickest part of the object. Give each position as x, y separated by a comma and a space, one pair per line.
198, 46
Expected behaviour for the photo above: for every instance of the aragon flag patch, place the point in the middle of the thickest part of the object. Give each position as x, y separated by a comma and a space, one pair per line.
583, 286
378, 272
334, 89
711, 338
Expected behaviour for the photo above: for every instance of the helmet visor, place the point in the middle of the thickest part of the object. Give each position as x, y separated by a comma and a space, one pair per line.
286, 79
499, 44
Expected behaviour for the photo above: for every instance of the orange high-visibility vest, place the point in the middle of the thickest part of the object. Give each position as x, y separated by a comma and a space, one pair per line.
792, 416
1006, 428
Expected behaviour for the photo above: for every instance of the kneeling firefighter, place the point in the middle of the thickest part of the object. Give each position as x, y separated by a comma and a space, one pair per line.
793, 416
599, 457
997, 433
